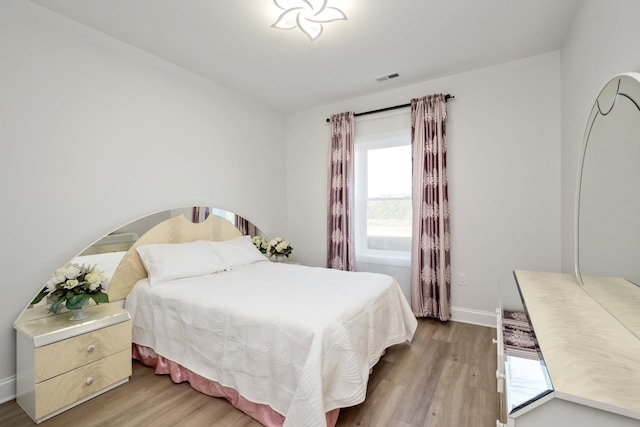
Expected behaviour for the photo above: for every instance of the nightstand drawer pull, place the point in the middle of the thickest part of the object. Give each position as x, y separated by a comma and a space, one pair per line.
89, 380
91, 348
499, 375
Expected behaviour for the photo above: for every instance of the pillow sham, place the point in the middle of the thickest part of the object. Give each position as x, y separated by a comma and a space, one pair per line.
170, 261
238, 251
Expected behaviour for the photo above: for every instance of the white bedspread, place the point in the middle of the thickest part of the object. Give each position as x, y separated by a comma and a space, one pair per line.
299, 339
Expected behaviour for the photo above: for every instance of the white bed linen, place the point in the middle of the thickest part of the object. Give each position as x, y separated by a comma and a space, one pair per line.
299, 339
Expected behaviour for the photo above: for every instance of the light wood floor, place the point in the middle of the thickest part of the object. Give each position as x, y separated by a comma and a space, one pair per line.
446, 378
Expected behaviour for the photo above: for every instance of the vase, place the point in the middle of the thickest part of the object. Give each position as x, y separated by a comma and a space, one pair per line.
79, 313
280, 258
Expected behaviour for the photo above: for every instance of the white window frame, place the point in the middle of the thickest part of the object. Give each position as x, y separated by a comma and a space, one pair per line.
362, 145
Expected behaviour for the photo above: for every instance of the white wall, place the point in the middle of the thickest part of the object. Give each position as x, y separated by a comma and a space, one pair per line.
604, 41
504, 174
95, 133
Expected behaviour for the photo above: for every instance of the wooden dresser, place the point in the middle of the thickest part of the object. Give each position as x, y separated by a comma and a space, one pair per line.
588, 370
62, 363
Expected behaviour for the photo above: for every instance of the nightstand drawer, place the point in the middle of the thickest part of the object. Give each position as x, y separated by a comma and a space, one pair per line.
60, 357
68, 388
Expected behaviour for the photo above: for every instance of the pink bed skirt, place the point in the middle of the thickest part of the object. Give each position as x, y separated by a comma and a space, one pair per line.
262, 413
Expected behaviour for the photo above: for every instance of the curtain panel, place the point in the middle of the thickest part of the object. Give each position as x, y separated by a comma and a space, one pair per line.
430, 252
340, 241
200, 214
245, 226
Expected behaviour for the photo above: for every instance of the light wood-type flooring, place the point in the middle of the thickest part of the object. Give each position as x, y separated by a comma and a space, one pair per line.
445, 378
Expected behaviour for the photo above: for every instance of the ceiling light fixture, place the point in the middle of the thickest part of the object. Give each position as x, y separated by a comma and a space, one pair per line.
308, 15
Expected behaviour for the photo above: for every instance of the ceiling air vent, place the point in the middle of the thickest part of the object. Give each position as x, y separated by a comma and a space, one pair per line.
387, 77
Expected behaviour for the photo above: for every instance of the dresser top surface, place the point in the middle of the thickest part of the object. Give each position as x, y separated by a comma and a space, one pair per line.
55, 327
592, 359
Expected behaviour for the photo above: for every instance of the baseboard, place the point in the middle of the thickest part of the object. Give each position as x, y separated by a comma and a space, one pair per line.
7, 389
475, 317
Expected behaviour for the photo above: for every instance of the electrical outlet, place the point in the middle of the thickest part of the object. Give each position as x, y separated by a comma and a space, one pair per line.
462, 279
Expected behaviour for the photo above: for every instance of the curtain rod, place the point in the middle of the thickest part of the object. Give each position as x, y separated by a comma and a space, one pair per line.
395, 107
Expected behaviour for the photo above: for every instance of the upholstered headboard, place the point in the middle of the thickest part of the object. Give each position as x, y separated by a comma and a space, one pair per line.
174, 230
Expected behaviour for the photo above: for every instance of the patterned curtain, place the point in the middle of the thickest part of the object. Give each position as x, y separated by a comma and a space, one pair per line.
200, 214
430, 251
245, 226
340, 244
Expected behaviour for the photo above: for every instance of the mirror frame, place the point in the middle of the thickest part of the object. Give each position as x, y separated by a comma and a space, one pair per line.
633, 78
187, 211
622, 304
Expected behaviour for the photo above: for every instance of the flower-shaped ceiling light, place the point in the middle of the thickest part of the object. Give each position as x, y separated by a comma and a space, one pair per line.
308, 15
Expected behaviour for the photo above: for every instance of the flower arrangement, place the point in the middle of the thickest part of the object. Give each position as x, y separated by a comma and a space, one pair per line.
261, 243
73, 285
279, 246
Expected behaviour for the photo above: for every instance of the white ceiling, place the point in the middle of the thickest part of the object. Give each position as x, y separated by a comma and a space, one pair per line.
231, 42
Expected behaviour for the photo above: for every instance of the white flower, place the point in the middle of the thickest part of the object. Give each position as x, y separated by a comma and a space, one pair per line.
308, 15
72, 271
93, 278
279, 246
261, 243
95, 270
58, 278
84, 280
50, 286
70, 284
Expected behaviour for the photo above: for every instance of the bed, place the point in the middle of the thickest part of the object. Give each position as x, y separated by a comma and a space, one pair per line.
287, 344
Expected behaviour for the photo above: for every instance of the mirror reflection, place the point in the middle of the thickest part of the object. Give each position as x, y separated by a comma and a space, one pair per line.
608, 202
108, 250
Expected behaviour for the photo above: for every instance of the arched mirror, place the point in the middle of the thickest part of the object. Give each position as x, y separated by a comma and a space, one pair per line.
608, 202
107, 251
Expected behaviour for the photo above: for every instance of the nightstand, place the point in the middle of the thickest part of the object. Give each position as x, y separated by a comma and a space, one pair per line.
62, 363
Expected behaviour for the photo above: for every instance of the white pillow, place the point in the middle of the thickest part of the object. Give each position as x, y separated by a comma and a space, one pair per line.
238, 252
170, 261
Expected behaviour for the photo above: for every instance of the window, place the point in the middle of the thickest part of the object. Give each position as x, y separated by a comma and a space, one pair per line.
229, 216
382, 188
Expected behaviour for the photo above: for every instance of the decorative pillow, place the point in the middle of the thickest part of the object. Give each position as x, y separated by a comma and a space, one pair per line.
238, 252
169, 261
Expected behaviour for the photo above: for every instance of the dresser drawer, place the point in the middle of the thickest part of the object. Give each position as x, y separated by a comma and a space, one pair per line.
70, 387
63, 356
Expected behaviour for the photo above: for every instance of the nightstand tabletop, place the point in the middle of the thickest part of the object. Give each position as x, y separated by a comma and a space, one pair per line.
57, 327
